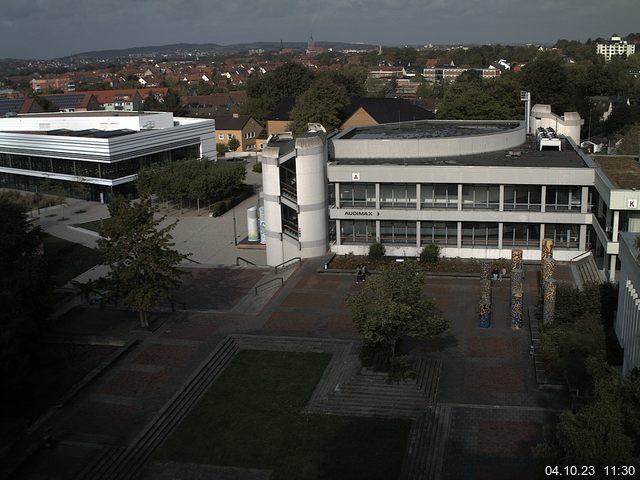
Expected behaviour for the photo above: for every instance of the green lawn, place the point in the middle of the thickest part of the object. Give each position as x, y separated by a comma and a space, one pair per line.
94, 225
251, 417
68, 259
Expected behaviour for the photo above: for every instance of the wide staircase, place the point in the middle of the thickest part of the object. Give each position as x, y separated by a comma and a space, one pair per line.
117, 463
426, 444
369, 394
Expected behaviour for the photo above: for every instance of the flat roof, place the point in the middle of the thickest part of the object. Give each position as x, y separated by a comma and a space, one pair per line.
91, 113
525, 155
428, 129
624, 172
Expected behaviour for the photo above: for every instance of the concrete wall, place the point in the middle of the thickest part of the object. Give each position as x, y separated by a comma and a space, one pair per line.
627, 323
428, 147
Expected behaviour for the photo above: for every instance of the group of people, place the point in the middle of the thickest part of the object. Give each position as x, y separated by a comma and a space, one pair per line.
361, 273
498, 274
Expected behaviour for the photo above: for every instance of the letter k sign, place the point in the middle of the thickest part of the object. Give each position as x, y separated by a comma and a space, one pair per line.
632, 203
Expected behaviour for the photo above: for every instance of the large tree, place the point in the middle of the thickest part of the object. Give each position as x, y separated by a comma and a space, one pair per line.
25, 289
322, 103
391, 305
547, 80
144, 265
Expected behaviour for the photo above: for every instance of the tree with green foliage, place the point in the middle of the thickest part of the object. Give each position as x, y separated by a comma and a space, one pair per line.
547, 80
25, 291
234, 144
221, 149
631, 141
322, 103
143, 264
391, 305
430, 253
606, 431
377, 251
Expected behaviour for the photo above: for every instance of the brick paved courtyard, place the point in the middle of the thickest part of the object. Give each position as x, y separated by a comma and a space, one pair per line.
487, 375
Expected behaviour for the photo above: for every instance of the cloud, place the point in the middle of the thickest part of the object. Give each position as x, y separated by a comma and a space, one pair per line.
44, 28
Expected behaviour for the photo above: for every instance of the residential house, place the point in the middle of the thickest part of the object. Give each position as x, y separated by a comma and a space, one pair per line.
365, 111
11, 107
127, 100
279, 118
244, 128
74, 101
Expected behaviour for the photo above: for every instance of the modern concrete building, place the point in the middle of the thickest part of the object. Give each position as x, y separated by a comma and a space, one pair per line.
627, 323
615, 47
100, 150
476, 188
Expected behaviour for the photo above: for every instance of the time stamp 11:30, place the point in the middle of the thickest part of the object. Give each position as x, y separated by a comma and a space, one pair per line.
627, 471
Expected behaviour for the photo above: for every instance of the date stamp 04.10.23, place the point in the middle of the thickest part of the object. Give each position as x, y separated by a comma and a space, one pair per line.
606, 471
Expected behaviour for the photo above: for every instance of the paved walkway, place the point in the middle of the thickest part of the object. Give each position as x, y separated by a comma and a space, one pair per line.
490, 410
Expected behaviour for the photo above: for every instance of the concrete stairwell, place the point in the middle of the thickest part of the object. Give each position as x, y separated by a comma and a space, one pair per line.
585, 270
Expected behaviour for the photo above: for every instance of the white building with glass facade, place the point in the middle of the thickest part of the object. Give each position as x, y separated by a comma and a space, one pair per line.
478, 189
100, 150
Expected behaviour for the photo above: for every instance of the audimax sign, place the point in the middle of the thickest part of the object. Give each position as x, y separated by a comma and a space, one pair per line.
360, 213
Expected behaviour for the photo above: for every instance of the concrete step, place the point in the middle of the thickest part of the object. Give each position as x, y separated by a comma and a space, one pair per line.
129, 462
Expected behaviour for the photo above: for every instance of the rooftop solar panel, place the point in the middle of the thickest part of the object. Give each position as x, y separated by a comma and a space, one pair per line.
12, 105
66, 101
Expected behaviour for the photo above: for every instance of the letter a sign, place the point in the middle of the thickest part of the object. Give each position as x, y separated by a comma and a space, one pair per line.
632, 203
355, 177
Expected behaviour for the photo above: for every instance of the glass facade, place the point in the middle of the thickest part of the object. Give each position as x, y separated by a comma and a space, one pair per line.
439, 195
563, 235
523, 197
521, 235
484, 197
398, 232
476, 234
105, 170
563, 199
357, 195
357, 231
398, 195
440, 233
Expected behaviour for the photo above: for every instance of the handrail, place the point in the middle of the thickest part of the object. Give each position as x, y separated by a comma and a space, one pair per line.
244, 260
275, 269
267, 283
585, 254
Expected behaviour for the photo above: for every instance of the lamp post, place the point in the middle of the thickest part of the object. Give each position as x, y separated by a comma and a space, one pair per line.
235, 235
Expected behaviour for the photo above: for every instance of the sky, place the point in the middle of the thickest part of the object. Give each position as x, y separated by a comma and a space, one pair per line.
57, 28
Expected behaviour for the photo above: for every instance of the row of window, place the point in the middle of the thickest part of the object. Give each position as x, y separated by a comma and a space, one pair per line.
446, 233
82, 168
486, 197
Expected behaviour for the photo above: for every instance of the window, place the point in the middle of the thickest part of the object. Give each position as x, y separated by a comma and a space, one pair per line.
440, 233
357, 195
398, 232
439, 196
357, 231
481, 197
522, 197
563, 235
479, 234
520, 234
563, 199
397, 195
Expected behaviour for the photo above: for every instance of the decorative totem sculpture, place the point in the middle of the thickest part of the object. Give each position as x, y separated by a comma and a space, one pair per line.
516, 259
484, 308
517, 290
549, 308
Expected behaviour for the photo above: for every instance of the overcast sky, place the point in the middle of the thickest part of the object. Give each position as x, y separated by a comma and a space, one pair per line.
54, 28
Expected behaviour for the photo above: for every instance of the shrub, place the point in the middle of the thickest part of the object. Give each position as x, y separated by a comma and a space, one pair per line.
376, 251
257, 167
430, 253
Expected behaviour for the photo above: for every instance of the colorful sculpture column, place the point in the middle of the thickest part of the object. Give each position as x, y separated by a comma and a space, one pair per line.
484, 307
517, 290
549, 308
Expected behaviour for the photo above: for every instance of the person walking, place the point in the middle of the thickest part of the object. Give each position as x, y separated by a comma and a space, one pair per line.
365, 272
359, 274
